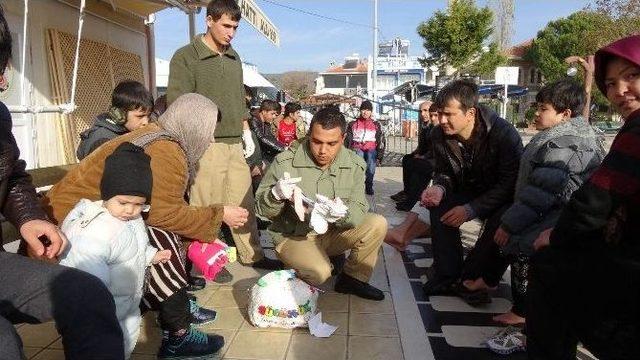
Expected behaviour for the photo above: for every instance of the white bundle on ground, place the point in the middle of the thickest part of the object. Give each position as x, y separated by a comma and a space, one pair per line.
280, 299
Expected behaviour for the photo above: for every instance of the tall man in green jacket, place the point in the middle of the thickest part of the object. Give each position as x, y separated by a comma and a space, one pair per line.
325, 168
209, 66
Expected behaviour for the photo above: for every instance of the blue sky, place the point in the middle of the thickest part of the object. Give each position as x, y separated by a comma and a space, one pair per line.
311, 43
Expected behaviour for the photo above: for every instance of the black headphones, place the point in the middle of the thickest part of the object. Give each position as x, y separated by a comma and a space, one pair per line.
117, 115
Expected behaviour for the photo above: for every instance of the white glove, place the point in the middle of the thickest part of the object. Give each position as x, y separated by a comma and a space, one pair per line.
249, 146
283, 189
331, 210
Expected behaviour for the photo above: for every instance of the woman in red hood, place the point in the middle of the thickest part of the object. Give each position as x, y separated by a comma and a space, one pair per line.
584, 282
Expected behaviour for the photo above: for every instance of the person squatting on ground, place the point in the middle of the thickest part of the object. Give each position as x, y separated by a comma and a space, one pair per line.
291, 127
324, 168
417, 166
211, 67
555, 163
108, 238
584, 279
476, 155
175, 143
35, 291
131, 107
365, 137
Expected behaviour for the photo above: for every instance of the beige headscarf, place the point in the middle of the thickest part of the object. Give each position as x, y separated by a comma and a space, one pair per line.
190, 121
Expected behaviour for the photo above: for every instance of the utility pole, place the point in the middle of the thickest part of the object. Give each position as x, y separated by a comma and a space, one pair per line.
374, 71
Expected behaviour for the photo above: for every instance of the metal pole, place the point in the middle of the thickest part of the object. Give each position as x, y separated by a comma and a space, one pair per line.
374, 75
504, 101
192, 24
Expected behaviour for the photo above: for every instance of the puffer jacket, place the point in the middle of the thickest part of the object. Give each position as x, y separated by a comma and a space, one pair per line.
18, 200
115, 251
381, 140
103, 130
555, 163
489, 174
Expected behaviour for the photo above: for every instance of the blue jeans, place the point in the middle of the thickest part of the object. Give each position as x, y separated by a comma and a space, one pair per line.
369, 157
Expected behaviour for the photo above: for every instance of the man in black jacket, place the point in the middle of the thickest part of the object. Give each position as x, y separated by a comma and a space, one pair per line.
35, 291
417, 167
261, 126
477, 155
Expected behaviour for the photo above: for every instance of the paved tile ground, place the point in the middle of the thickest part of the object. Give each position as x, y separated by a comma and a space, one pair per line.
403, 326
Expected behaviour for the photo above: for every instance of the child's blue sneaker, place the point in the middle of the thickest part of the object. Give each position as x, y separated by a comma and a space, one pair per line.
200, 315
193, 345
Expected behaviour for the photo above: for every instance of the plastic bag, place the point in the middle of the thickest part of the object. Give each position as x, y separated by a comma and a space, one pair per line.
211, 258
280, 299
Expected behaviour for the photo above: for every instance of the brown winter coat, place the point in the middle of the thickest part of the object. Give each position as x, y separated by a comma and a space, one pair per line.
169, 209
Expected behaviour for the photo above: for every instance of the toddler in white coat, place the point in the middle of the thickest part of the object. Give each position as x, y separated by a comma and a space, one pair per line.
108, 238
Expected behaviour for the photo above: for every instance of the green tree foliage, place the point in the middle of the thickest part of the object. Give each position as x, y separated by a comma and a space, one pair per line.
457, 37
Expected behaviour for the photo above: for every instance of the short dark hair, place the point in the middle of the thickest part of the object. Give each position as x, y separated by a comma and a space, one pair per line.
5, 42
465, 91
217, 8
290, 108
130, 95
562, 95
270, 105
433, 107
329, 118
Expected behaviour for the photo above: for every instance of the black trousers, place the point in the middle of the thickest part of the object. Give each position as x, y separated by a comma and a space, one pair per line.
175, 312
416, 174
519, 282
33, 291
484, 260
583, 295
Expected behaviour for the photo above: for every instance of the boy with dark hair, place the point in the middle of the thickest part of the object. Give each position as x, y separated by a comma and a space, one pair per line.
476, 156
131, 106
365, 137
37, 291
217, 8
261, 126
291, 126
555, 163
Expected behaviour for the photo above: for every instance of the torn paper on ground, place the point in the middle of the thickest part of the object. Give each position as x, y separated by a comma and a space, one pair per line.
320, 329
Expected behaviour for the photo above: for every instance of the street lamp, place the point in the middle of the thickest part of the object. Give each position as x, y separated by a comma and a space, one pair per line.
587, 64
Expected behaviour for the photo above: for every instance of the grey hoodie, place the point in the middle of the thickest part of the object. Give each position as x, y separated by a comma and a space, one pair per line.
103, 130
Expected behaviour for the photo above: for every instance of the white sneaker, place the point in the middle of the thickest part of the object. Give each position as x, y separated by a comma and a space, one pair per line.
507, 341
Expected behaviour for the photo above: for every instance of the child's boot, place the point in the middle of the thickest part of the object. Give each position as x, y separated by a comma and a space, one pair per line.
190, 344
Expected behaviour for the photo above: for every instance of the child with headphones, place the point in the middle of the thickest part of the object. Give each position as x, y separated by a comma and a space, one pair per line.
131, 106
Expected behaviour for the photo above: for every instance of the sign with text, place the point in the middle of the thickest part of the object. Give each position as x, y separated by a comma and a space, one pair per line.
507, 75
254, 16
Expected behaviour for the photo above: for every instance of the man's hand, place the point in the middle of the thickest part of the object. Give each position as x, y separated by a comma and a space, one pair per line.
55, 239
501, 237
431, 196
161, 256
249, 146
235, 216
455, 217
283, 189
542, 240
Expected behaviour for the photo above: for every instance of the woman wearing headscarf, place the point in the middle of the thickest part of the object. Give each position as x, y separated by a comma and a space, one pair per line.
584, 283
175, 144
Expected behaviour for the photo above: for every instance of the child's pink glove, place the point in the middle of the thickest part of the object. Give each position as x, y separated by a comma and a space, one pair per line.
210, 259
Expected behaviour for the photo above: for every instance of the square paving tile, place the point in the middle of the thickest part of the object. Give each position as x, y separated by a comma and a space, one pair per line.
226, 297
148, 341
374, 348
360, 305
30, 352
333, 302
341, 320
40, 335
50, 354
308, 347
228, 318
258, 345
372, 325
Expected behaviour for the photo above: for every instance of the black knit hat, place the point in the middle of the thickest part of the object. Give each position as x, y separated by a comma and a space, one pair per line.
366, 105
127, 172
